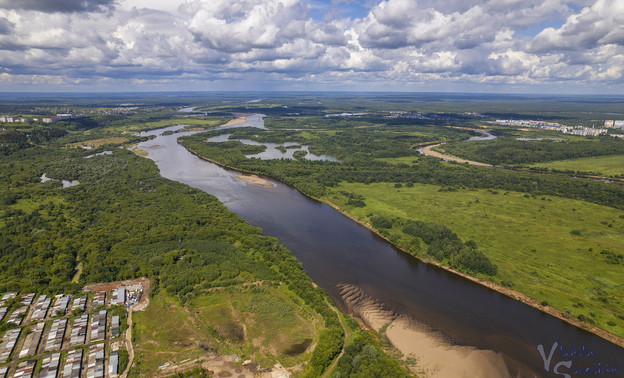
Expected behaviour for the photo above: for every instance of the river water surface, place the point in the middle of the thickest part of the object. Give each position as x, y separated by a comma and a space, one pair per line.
335, 251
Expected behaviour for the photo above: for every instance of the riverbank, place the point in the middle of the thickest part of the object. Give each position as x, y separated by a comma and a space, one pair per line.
437, 356
235, 122
516, 295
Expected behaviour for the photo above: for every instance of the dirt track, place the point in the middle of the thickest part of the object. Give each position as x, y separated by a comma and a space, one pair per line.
430, 152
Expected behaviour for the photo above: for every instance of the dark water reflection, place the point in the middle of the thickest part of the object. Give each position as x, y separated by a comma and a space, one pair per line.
335, 250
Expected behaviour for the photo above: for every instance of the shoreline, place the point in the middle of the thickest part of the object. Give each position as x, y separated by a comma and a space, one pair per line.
513, 294
234, 122
436, 354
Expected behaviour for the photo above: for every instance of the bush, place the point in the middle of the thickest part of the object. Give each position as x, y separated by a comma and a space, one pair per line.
124, 357
379, 221
356, 203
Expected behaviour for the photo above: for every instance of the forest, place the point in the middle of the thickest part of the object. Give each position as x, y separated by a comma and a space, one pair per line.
510, 151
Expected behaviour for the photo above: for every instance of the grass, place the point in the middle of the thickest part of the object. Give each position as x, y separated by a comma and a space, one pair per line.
174, 122
263, 322
603, 165
545, 247
256, 322
140, 152
164, 332
409, 160
28, 205
100, 142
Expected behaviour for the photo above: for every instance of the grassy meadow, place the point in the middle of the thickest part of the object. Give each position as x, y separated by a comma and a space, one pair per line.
602, 165
96, 143
261, 323
546, 247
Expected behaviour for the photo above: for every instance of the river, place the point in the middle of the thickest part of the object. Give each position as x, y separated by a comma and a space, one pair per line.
335, 251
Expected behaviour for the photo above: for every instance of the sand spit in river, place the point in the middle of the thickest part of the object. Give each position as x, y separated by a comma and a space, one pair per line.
255, 180
235, 121
436, 355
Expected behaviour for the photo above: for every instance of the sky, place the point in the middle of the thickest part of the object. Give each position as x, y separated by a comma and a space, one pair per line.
497, 46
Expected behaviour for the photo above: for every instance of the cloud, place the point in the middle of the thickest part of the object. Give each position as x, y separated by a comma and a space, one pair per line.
6, 26
600, 24
403, 42
63, 6
244, 25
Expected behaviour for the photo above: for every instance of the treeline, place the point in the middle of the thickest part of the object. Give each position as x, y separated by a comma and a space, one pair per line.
445, 245
436, 240
364, 358
313, 177
16, 139
509, 151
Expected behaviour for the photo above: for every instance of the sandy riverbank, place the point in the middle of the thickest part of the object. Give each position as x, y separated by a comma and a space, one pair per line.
255, 180
436, 355
236, 121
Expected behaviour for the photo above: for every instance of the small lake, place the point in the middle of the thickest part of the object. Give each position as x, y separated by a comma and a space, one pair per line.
99, 154
66, 183
273, 150
484, 136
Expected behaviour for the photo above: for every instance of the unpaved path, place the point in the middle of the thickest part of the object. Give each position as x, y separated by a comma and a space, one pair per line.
129, 347
344, 342
430, 152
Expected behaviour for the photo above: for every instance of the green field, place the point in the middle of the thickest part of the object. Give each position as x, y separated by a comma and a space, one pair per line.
261, 323
546, 247
603, 165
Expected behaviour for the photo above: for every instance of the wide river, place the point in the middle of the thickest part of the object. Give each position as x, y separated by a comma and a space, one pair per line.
335, 250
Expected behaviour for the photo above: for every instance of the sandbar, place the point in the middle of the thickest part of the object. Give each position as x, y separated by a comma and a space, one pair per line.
236, 121
255, 180
436, 355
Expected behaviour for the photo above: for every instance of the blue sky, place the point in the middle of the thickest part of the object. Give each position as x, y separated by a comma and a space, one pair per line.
324, 9
507, 46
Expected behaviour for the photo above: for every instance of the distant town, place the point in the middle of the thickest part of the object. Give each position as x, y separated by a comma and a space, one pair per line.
575, 130
58, 117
